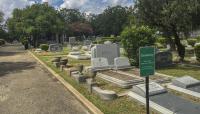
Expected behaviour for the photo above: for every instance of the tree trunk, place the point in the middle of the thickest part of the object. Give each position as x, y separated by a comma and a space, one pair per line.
172, 45
180, 47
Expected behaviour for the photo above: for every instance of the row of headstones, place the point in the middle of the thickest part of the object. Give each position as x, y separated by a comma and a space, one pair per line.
112, 51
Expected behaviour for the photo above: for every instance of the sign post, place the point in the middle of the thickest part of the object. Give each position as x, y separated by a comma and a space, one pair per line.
147, 68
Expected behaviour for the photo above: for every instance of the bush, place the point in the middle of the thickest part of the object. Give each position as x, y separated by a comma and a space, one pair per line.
192, 42
159, 45
112, 39
134, 37
161, 40
2, 42
44, 47
197, 52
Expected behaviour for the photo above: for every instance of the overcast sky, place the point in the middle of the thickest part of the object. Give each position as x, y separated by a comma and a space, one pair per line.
88, 6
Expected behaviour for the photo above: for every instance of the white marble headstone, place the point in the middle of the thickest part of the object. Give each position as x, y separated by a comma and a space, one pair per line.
185, 82
154, 89
99, 63
121, 63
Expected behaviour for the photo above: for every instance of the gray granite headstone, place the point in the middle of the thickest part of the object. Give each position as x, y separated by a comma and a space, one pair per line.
55, 47
154, 89
87, 42
72, 40
185, 82
109, 51
163, 59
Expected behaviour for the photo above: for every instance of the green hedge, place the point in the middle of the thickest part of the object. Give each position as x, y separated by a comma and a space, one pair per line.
197, 52
2, 42
112, 39
192, 41
44, 47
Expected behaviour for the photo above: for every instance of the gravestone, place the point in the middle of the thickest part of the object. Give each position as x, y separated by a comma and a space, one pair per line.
72, 40
108, 51
121, 63
55, 47
163, 59
185, 82
154, 89
87, 42
99, 63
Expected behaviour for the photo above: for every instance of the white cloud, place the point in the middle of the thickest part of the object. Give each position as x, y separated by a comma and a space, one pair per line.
73, 3
7, 6
94, 6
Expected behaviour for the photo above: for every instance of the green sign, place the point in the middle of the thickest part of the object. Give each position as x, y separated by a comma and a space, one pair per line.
147, 61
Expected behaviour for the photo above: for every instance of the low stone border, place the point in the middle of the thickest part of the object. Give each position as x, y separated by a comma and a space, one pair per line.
78, 95
152, 104
185, 91
190, 65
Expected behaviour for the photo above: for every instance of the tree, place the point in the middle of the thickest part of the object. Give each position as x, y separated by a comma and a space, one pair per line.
111, 21
173, 18
36, 22
134, 37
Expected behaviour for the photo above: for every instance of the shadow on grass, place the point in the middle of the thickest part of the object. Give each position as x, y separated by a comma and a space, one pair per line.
14, 67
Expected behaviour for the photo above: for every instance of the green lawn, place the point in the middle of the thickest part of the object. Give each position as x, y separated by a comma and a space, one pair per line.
122, 105
180, 70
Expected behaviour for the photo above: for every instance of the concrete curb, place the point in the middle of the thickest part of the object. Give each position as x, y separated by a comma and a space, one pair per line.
78, 95
182, 90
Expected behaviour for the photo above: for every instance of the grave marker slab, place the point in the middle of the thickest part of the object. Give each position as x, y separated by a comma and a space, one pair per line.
72, 40
55, 47
163, 59
99, 63
122, 63
185, 82
154, 89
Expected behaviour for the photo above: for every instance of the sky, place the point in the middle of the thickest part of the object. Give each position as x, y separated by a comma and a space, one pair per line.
87, 6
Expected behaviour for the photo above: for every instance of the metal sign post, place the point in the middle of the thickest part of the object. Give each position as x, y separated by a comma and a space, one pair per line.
147, 68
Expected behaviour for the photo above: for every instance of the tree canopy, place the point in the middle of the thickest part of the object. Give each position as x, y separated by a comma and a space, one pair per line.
174, 18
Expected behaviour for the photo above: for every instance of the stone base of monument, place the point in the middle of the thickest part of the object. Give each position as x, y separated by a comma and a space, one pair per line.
79, 57
187, 85
123, 81
78, 77
104, 94
69, 70
90, 84
164, 102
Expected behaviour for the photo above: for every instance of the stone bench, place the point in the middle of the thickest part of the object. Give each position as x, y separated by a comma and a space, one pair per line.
105, 94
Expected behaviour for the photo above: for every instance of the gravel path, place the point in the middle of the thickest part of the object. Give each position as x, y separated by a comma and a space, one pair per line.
28, 88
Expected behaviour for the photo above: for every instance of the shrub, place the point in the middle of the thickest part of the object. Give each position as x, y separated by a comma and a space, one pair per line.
192, 42
2, 42
197, 52
44, 47
161, 40
134, 37
159, 45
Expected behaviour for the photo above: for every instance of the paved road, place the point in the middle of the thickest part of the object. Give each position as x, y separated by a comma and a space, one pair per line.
27, 88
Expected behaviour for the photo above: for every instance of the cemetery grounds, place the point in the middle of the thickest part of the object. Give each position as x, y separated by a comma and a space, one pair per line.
123, 104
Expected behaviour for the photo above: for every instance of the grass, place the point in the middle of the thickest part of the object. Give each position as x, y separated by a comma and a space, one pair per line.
180, 70
122, 105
